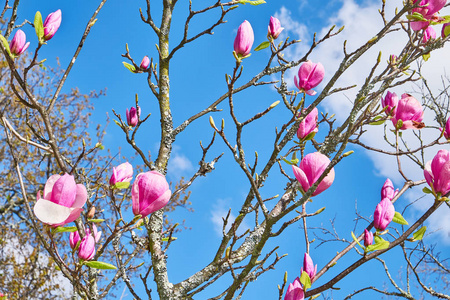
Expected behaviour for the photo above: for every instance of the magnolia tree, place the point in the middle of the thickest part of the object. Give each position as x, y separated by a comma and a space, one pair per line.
67, 211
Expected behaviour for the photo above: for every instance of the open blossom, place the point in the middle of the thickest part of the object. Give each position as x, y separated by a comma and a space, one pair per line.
383, 215
86, 251
368, 238
51, 24
145, 63
428, 11
447, 129
74, 237
410, 111
388, 191
121, 173
133, 116
308, 267
295, 291
437, 172
428, 34
18, 44
61, 202
391, 101
309, 76
274, 28
244, 39
150, 193
308, 124
310, 169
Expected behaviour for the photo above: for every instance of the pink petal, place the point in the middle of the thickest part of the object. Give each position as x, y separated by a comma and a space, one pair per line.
81, 196
49, 185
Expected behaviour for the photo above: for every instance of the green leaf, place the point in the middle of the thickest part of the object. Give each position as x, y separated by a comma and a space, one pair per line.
377, 122
122, 185
65, 229
426, 56
99, 265
96, 220
166, 239
442, 20
399, 124
305, 280
129, 67
5, 44
418, 235
416, 17
117, 122
263, 45
379, 244
251, 2
356, 240
398, 218
426, 190
447, 30
39, 26
310, 136
287, 161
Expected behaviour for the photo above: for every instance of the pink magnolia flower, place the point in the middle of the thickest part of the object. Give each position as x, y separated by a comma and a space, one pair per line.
437, 172
383, 215
368, 238
308, 124
428, 34
86, 251
51, 24
309, 76
274, 28
61, 202
17, 44
295, 291
133, 116
431, 7
388, 191
447, 129
391, 101
145, 63
244, 39
74, 237
121, 173
310, 169
410, 111
150, 193
308, 267
445, 32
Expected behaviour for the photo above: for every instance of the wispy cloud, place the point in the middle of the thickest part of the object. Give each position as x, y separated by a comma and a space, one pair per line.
362, 22
219, 212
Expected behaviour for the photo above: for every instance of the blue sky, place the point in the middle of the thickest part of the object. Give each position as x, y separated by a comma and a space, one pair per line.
197, 79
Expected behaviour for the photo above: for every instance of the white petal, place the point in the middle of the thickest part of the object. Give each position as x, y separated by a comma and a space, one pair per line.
51, 213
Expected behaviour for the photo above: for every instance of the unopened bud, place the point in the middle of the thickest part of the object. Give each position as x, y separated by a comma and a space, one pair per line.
91, 213
348, 153
274, 104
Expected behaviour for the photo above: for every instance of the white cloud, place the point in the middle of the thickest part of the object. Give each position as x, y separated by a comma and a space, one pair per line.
179, 165
219, 212
362, 22
17, 250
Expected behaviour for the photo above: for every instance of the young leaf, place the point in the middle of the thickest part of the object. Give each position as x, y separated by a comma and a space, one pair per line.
96, 220
398, 218
426, 56
305, 280
418, 235
377, 122
65, 229
356, 240
166, 239
99, 265
380, 244
129, 67
122, 185
39, 26
263, 45
251, 2
426, 190
5, 44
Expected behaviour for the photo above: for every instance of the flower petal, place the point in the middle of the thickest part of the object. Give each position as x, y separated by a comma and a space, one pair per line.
51, 213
